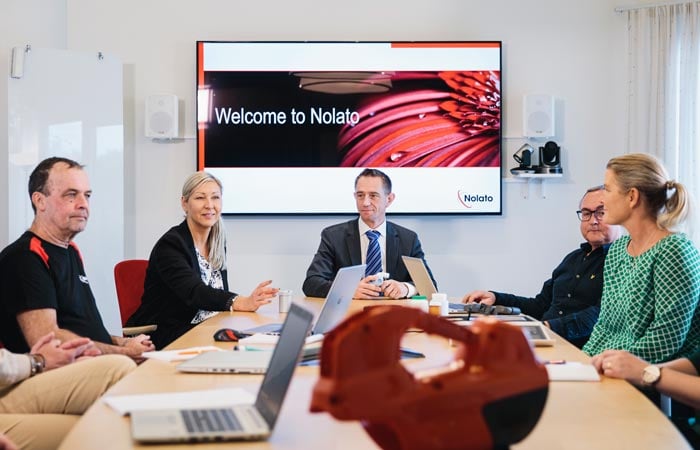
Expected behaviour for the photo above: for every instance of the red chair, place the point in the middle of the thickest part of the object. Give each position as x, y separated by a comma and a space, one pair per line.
129, 276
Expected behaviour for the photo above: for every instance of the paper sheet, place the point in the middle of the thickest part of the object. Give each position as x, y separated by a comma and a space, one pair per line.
572, 371
125, 404
263, 339
259, 339
181, 354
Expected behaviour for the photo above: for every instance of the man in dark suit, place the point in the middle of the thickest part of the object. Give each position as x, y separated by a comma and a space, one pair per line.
348, 244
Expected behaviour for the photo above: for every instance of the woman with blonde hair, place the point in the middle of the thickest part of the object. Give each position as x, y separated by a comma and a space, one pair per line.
186, 281
651, 278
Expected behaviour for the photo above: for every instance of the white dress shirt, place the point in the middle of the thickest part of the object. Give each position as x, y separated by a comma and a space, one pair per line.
364, 243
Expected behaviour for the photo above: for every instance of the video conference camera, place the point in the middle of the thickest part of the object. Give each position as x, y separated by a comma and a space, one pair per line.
524, 158
550, 159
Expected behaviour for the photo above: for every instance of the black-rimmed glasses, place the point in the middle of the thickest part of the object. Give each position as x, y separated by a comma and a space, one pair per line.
585, 215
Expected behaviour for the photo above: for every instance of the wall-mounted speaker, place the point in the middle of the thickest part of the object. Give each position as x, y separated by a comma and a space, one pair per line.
17, 62
538, 116
162, 116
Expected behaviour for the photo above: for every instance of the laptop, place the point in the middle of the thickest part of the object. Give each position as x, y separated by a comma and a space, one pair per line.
334, 308
228, 362
238, 422
255, 361
420, 276
423, 283
424, 286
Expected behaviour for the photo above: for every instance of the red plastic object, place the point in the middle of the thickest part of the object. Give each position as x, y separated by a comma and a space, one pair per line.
492, 398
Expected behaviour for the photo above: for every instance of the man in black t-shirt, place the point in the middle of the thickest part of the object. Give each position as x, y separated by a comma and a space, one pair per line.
43, 285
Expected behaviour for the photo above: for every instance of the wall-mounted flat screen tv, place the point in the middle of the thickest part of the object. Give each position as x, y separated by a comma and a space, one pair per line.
287, 126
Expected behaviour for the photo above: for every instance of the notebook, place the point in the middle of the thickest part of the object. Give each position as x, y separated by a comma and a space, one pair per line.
334, 308
420, 276
238, 422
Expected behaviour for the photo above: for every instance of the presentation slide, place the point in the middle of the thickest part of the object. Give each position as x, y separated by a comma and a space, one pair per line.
287, 126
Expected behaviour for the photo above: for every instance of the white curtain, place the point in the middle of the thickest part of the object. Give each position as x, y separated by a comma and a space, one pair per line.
664, 99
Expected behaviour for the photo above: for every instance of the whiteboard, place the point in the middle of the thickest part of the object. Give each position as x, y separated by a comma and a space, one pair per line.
68, 103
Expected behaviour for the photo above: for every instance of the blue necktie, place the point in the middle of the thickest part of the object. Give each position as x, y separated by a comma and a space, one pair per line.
374, 254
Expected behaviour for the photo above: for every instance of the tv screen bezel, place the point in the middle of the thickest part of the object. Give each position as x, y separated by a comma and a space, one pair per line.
353, 211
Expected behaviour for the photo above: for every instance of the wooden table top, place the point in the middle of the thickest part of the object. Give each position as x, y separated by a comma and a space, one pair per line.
610, 414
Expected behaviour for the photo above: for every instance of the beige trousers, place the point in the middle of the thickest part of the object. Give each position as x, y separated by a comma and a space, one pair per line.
38, 412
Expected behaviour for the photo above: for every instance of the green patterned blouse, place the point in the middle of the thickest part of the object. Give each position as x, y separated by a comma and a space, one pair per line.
649, 301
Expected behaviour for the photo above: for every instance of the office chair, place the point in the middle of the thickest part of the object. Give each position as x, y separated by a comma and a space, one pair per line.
129, 276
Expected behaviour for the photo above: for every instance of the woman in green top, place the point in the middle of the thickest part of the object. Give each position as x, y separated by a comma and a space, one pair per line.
652, 276
678, 378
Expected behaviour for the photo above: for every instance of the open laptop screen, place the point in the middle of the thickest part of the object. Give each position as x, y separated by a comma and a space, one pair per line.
279, 372
339, 298
420, 276
335, 307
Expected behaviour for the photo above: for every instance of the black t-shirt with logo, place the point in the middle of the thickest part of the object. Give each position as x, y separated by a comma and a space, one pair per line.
35, 274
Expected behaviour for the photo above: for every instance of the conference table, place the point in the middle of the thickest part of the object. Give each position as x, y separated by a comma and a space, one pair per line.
610, 414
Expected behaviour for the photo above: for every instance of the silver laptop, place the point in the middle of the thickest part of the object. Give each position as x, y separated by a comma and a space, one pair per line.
238, 422
420, 276
334, 308
227, 362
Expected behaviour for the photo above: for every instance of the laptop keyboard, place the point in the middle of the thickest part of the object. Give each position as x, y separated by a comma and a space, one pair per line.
208, 420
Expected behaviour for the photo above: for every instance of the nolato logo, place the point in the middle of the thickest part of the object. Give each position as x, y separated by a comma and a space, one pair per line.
469, 199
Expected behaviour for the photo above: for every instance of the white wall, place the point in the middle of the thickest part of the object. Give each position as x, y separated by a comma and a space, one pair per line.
572, 49
41, 23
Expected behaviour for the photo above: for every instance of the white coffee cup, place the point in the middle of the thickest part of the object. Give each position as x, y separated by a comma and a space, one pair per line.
381, 277
285, 300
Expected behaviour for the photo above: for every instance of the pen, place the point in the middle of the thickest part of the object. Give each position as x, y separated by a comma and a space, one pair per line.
555, 361
193, 352
411, 353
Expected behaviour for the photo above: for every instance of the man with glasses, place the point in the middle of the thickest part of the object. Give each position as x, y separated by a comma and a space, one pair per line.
569, 301
370, 240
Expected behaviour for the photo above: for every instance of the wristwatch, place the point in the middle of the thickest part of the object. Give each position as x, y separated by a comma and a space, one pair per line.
230, 306
37, 364
651, 375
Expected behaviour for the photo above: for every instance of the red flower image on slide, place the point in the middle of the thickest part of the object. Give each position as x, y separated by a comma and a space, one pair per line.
458, 126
